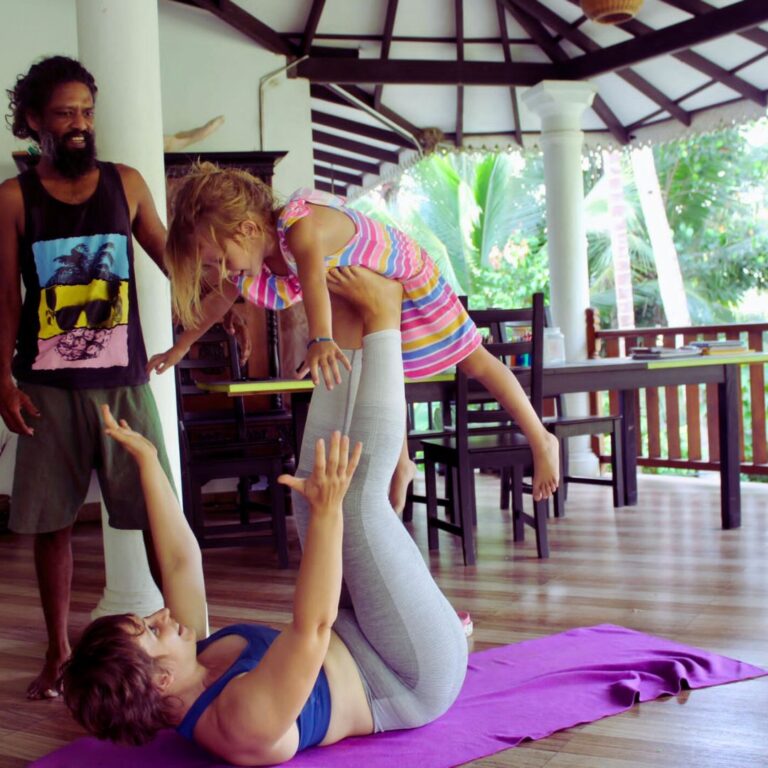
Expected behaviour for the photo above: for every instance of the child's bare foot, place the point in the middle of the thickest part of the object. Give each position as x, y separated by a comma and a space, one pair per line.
377, 298
47, 685
546, 467
398, 487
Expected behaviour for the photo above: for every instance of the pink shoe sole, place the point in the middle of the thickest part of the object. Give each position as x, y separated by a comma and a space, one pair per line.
466, 622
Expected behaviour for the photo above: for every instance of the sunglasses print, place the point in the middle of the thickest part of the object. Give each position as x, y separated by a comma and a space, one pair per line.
98, 312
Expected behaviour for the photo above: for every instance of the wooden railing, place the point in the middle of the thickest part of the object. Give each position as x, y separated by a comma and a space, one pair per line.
678, 425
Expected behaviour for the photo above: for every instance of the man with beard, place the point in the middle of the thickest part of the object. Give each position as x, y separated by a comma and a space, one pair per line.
66, 229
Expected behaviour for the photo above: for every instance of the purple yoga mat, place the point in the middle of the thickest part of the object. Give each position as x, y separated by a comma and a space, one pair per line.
516, 692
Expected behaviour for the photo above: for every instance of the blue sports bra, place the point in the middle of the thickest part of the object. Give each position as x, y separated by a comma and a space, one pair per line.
314, 718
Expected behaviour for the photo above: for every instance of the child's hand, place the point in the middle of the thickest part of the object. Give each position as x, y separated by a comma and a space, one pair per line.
162, 361
235, 326
137, 445
324, 356
325, 488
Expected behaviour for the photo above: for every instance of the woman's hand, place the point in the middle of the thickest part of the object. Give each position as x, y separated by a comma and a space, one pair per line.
137, 445
325, 488
324, 356
162, 361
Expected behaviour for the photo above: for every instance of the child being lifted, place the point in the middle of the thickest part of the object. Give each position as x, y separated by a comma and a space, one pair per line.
228, 231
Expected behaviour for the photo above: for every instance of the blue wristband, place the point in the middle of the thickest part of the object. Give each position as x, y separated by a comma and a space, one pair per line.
318, 338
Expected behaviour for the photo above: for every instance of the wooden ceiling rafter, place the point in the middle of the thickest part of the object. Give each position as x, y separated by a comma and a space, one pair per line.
346, 162
576, 36
676, 40
647, 120
333, 173
458, 13
715, 72
537, 31
231, 13
699, 7
361, 129
315, 12
356, 147
386, 44
504, 33
424, 72
334, 189
390, 114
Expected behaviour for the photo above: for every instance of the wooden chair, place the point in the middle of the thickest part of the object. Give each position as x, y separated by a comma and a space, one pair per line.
486, 439
563, 427
220, 440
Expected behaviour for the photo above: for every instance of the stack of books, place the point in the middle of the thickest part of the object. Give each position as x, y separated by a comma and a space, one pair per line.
721, 346
663, 353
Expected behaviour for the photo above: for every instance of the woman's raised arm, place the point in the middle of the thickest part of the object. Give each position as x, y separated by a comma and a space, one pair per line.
177, 550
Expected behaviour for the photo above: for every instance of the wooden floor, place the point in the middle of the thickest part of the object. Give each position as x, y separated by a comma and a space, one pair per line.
664, 567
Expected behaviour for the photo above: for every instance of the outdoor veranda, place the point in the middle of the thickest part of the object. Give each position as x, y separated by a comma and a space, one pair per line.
402, 79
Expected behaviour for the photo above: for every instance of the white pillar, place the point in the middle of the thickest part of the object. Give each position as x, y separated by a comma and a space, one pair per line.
118, 43
560, 105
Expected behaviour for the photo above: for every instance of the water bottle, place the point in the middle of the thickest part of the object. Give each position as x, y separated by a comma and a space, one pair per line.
554, 346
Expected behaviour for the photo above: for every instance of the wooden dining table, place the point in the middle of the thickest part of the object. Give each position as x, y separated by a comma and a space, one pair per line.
622, 375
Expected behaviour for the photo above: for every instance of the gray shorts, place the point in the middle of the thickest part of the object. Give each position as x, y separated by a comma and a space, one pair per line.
53, 466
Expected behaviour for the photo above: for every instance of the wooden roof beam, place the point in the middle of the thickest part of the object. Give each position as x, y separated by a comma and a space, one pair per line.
334, 189
346, 162
348, 145
361, 129
423, 72
537, 31
699, 7
367, 99
504, 32
333, 174
458, 10
586, 43
386, 44
315, 12
675, 40
232, 14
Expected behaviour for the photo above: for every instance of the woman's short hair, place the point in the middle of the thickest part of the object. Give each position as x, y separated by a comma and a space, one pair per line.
109, 683
213, 202
34, 89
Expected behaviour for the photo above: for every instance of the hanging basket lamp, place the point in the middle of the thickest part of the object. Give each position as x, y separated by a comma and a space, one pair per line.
611, 11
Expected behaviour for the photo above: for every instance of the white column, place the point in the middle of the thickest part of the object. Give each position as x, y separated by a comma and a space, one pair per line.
560, 105
118, 43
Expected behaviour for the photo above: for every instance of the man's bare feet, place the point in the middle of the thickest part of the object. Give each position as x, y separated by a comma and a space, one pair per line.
47, 685
377, 298
546, 466
398, 487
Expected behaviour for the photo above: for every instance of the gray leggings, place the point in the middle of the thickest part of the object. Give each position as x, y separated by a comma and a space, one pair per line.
402, 632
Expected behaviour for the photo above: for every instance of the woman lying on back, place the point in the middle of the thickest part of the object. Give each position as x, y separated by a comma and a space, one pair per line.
392, 656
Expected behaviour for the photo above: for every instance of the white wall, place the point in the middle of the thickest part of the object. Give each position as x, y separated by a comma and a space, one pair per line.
207, 69
210, 69
31, 30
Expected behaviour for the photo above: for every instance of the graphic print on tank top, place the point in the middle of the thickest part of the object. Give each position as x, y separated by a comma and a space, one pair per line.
84, 302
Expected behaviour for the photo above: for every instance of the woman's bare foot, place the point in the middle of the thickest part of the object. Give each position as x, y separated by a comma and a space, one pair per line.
47, 685
398, 487
377, 298
546, 466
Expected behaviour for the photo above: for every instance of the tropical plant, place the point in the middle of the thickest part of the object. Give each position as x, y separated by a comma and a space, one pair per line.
482, 217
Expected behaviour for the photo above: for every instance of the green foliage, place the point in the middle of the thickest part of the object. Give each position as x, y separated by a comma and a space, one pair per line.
482, 218
716, 195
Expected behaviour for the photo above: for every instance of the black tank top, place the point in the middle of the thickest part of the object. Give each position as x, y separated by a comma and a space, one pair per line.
80, 323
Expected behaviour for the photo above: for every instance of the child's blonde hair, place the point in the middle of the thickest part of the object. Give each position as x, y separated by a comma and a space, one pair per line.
210, 201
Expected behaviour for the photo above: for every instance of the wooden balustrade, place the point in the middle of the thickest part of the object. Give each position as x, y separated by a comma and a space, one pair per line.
678, 426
